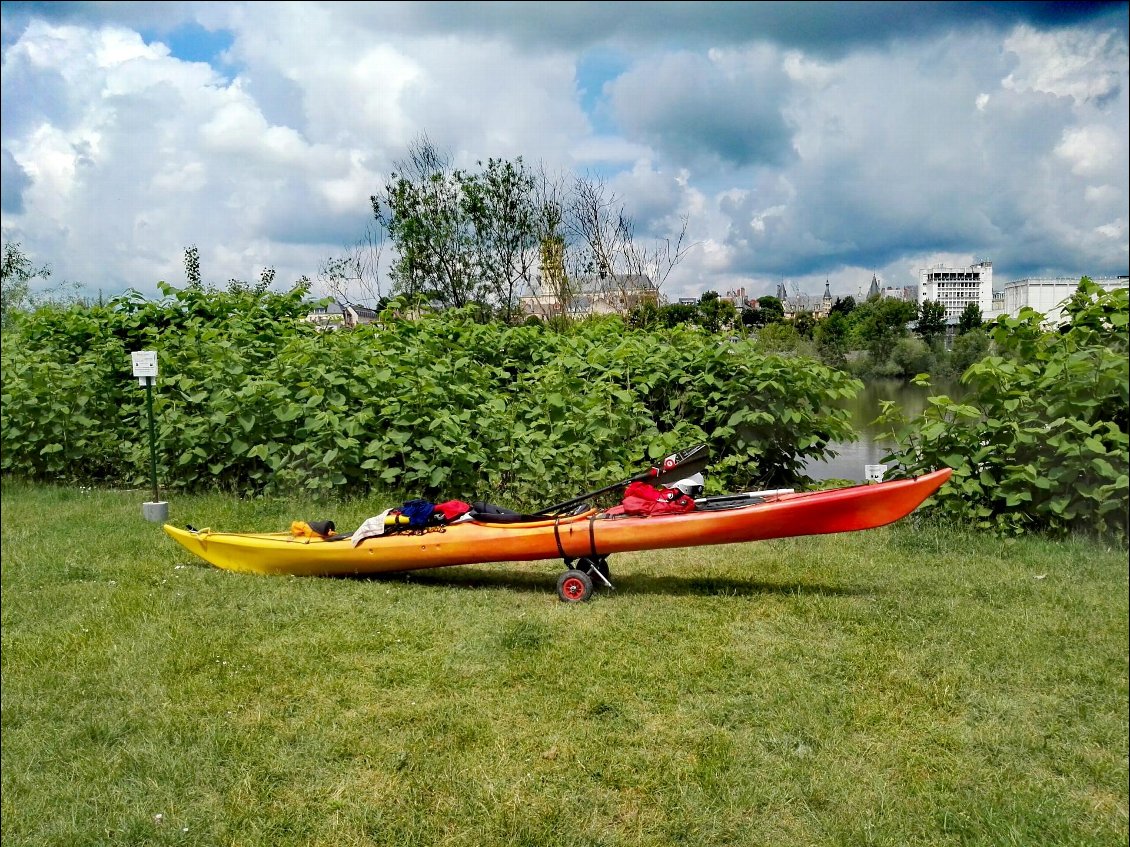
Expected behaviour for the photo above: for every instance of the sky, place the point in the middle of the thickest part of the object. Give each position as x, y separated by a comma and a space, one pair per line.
803, 143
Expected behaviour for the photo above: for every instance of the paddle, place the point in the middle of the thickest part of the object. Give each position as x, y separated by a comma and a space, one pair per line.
676, 467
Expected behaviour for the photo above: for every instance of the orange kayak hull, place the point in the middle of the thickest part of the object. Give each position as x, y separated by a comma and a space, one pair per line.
590, 534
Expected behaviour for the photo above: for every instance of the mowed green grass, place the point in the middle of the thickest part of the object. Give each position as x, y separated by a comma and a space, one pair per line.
913, 685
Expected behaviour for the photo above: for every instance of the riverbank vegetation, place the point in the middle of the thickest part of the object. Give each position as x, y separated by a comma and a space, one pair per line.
878, 338
1040, 438
251, 398
915, 684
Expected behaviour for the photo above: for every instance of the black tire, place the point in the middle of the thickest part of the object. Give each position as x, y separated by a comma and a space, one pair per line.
574, 586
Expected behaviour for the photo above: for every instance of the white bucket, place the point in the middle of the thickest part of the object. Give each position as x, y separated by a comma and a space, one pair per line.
874, 473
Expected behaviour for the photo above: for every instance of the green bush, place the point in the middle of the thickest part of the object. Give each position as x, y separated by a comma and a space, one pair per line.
1040, 439
250, 398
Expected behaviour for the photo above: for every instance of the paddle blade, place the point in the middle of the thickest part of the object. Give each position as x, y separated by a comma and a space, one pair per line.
683, 464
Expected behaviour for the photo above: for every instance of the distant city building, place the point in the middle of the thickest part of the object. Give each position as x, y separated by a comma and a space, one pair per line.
826, 301
738, 298
340, 316
874, 290
907, 293
956, 288
1047, 294
998, 306
899, 293
819, 306
614, 295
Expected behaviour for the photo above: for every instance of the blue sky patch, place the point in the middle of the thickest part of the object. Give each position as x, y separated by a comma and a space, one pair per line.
595, 68
192, 43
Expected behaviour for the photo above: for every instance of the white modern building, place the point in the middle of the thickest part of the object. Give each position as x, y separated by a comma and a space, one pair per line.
1046, 295
956, 288
998, 307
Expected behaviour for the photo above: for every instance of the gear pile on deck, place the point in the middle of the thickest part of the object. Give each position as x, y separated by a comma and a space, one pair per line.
660, 508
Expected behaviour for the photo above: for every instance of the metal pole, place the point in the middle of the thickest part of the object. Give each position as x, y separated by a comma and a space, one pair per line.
152, 435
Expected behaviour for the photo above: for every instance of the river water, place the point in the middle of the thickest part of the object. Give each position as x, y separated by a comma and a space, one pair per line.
874, 441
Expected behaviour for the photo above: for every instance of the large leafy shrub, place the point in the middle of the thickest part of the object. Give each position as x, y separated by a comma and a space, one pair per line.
250, 399
1040, 439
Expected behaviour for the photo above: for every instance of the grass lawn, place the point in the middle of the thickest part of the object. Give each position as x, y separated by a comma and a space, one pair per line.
913, 685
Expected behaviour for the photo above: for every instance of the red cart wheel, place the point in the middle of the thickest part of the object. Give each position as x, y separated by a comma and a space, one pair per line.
574, 586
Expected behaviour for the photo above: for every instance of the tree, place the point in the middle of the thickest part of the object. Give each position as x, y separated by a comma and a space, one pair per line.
771, 308
969, 319
931, 320
645, 315
779, 337
911, 356
192, 267
16, 274
499, 204
266, 277
604, 244
355, 276
968, 347
465, 237
805, 323
195, 278
714, 313
879, 323
831, 338
422, 211
843, 306
599, 229
674, 314
553, 288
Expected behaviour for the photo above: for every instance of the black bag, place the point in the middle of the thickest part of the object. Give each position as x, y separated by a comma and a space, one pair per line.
489, 513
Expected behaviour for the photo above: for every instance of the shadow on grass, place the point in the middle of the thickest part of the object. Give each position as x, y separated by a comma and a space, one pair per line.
463, 576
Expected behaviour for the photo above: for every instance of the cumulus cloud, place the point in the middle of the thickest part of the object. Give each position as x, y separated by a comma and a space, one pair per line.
15, 182
722, 108
800, 142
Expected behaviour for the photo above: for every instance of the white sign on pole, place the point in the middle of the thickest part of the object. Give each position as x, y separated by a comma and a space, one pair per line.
144, 365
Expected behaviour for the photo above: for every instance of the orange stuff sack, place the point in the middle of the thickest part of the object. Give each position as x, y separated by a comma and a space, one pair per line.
318, 529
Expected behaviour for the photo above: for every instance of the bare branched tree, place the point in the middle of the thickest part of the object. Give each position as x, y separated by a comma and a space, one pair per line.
657, 262
553, 287
609, 252
355, 276
599, 228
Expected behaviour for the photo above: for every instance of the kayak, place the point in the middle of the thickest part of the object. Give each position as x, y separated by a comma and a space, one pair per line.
583, 541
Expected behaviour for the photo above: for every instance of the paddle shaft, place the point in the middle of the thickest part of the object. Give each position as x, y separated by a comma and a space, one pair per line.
692, 465
557, 508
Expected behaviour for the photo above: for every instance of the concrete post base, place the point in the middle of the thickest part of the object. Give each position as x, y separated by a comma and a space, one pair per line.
156, 512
